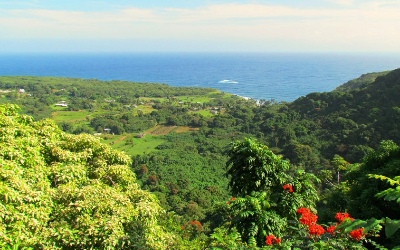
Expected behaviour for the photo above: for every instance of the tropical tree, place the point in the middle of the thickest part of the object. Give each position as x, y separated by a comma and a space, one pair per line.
283, 216
384, 161
62, 191
265, 196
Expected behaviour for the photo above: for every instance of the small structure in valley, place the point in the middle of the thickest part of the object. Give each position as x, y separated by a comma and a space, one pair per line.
62, 104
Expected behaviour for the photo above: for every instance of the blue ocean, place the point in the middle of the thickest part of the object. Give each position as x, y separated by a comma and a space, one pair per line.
278, 76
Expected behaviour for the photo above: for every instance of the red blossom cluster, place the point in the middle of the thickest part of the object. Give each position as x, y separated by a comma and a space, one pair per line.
357, 234
340, 217
316, 229
288, 187
331, 229
309, 219
271, 239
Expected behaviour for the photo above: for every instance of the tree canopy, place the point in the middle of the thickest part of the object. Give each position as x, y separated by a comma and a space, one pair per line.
70, 192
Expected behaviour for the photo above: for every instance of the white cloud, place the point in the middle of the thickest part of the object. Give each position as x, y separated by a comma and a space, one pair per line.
342, 2
373, 26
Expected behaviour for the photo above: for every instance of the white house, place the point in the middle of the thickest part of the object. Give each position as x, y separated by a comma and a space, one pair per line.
62, 104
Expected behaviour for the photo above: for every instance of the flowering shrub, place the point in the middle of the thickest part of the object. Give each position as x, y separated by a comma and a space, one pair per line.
267, 205
271, 239
331, 229
264, 198
340, 217
288, 187
316, 229
357, 234
309, 219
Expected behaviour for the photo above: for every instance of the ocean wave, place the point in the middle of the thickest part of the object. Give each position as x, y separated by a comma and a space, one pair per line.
244, 97
227, 81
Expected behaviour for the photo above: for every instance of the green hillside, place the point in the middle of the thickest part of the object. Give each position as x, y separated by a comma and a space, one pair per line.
360, 82
355, 119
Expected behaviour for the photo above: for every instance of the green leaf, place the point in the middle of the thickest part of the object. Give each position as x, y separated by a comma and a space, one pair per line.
391, 227
372, 224
348, 225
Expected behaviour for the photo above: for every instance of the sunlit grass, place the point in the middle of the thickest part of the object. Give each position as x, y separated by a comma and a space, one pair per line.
132, 145
70, 116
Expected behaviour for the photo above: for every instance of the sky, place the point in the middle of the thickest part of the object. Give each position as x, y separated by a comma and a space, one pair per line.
200, 26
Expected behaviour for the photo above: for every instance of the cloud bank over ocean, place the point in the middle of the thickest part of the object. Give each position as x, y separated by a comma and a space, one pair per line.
330, 25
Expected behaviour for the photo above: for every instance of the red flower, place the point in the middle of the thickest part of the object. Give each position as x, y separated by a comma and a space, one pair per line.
357, 234
340, 217
231, 199
270, 239
288, 187
303, 210
316, 229
307, 217
331, 229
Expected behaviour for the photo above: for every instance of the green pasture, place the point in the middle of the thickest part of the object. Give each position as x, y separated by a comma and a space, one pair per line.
155, 99
193, 99
144, 108
71, 116
218, 94
60, 114
204, 112
134, 146
188, 98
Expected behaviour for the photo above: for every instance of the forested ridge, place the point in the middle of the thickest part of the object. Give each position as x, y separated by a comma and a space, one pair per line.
186, 144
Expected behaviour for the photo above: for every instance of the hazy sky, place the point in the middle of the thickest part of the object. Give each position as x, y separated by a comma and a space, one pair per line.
192, 25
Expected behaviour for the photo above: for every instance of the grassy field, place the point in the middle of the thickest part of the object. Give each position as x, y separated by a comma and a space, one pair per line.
204, 112
70, 116
164, 130
160, 130
182, 129
146, 109
132, 145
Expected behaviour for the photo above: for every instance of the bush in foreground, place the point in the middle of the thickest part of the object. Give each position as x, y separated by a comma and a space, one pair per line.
62, 191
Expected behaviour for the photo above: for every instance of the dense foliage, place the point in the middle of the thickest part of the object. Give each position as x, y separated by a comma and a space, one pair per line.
64, 191
265, 195
272, 215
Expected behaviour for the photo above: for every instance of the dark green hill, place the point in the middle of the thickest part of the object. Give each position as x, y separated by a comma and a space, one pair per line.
360, 82
358, 117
